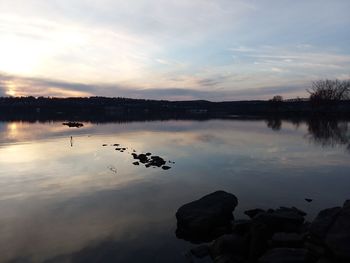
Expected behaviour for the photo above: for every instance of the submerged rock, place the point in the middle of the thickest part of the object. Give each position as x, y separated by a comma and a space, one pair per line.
206, 218
164, 167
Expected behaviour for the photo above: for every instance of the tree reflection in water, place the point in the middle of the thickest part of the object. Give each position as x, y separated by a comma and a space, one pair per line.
327, 132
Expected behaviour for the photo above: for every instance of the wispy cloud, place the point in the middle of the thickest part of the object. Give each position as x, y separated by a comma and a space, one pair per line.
46, 87
201, 45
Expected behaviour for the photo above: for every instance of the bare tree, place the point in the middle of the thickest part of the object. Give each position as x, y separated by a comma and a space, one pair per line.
329, 91
277, 98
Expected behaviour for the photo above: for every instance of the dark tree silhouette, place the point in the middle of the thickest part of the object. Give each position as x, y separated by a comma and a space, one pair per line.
329, 92
277, 98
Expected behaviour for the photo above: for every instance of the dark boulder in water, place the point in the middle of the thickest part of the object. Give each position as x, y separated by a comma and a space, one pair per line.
322, 223
284, 255
283, 219
338, 236
71, 124
164, 167
206, 218
253, 212
157, 161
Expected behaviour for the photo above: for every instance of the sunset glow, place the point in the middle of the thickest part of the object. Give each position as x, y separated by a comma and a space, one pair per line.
159, 49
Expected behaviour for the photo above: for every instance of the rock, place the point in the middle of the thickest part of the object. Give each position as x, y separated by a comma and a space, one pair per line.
104, 144
116, 144
253, 212
148, 154
241, 227
156, 161
284, 255
316, 250
292, 240
200, 251
164, 167
259, 236
338, 236
325, 260
320, 226
136, 163
282, 220
199, 220
309, 200
71, 124
143, 158
228, 244
228, 258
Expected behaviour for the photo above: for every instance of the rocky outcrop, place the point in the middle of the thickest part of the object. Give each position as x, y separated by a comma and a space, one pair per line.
206, 218
338, 236
284, 255
270, 236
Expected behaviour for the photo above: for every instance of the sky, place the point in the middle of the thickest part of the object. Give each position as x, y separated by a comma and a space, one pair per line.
176, 50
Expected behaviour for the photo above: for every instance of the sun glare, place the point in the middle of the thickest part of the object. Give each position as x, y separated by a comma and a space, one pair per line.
11, 89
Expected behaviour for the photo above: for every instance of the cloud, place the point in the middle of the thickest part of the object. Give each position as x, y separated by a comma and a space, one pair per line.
136, 47
23, 86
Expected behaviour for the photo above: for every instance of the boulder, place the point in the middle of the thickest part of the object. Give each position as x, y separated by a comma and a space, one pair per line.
282, 220
292, 240
320, 226
228, 258
200, 251
241, 227
157, 161
228, 244
284, 255
259, 236
253, 212
338, 236
199, 221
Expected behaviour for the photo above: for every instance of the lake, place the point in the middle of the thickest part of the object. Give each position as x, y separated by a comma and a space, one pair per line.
64, 197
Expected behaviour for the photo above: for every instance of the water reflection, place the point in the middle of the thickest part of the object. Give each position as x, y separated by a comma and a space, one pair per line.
329, 132
274, 123
321, 131
66, 204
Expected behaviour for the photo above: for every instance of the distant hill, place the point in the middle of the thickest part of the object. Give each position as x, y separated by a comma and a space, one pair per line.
114, 108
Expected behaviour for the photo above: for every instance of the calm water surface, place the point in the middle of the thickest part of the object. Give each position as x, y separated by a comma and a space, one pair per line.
64, 200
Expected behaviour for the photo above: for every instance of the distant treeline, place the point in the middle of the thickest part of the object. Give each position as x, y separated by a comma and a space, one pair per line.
104, 108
